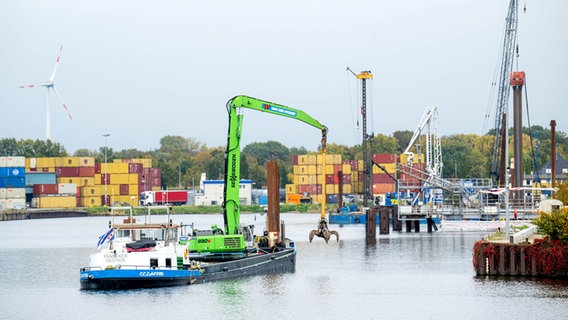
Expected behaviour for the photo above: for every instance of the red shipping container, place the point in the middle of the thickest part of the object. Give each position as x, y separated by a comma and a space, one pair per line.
384, 158
105, 178
67, 172
331, 179
123, 189
46, 188
336, 168
97, 168
302, 188
155, 182
346, 179
380, 188
135, 167
86, 171
382, 178
295, 157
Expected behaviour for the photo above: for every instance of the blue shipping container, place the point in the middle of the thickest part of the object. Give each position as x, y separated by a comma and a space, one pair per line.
12, 182
13, 172
40, 178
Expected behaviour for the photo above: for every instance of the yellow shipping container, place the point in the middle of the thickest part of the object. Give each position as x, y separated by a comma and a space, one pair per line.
56, 202
302, 160
45, 162
306, 179
331, 189
360, 165
303, 169
79, 181
389, 167
347, 188
86, 161
70, 162
312, 159
90, 201
133, 178
329, 169
156, 188
346, 168
92, 191
418, 158
354, 176
114, 167
119, 178
312, 169
29, 162
291, 188
133, 189
317, 198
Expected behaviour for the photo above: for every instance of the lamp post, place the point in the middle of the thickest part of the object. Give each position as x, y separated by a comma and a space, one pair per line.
106, 135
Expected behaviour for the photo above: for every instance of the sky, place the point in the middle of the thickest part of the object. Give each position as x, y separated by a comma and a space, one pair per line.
139, 70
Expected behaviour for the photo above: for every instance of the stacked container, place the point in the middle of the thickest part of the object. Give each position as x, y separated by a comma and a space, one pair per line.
12, 183
308, 172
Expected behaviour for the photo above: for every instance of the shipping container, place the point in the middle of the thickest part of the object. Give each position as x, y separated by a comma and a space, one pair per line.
312, 169
50, 201
135, 168
90, 201
16, 162
12, 193
389, 167
119, 178
12, 204
133, 178
303, 169
382, 178
48, 188
379, 188
347, 189
67, 171
331, 188
291, 189
12, 172
302, 159
67, 188
146, 162
133, 190
384, 158
312, 159
40, 178
3, 162
13, 182
69, 162
87, 162
295, 160
330, 179
45, 162
87, 171
123, 189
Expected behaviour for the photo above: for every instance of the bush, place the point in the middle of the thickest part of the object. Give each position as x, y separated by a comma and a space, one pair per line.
554, 225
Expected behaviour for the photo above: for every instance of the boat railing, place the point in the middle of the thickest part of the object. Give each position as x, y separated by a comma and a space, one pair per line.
130, 267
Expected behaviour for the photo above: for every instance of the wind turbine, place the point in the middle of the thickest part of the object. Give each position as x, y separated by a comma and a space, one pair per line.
50, 85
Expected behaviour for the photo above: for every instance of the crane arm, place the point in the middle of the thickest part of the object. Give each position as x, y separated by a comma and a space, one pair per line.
421, 125
231, 207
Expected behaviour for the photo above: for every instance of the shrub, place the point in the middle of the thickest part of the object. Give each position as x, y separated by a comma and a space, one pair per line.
554, 225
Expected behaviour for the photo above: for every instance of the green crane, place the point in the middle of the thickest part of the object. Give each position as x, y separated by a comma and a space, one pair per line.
232, 237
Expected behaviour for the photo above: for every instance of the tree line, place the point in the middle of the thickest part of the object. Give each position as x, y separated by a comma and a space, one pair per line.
182, 160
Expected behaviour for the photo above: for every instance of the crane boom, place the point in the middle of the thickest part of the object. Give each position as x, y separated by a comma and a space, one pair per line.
231, 207
509, 42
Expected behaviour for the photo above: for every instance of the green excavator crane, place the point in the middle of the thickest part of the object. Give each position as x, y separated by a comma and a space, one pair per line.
234, 236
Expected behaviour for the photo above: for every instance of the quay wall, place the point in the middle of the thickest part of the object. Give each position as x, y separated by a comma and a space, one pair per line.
543, 258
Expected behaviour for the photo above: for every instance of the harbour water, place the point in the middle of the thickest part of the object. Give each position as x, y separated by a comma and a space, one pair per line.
403, 276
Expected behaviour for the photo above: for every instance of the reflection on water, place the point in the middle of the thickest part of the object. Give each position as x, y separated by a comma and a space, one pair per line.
399, 276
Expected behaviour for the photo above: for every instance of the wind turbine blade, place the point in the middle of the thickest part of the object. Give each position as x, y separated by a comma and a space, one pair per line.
63, 103
52, 78
30, 86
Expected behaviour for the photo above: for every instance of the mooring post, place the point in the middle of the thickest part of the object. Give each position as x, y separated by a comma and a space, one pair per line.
396, 223
416, 225
408, 226
371, 222
384, 220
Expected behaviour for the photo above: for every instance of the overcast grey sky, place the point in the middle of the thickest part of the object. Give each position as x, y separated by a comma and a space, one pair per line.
140, 70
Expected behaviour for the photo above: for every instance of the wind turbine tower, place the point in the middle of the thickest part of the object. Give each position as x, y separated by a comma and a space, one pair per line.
50, 85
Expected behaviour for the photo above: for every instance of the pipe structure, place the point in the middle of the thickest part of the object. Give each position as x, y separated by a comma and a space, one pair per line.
553, 153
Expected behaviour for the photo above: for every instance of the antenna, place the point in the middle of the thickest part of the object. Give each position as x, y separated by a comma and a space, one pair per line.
50, 85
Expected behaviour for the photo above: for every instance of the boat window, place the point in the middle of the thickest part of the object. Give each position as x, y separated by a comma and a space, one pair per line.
168, 262
153, 263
